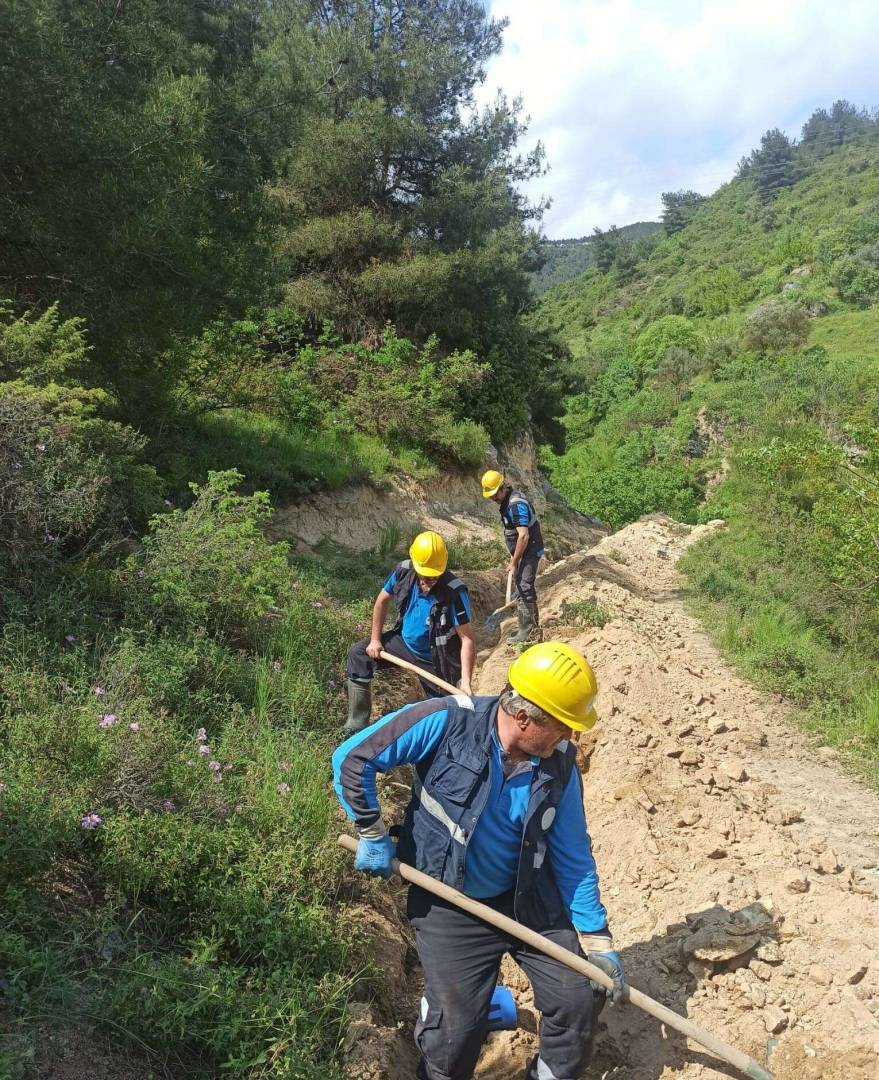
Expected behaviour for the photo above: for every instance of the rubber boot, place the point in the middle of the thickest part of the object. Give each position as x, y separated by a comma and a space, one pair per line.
359, 705
528, 623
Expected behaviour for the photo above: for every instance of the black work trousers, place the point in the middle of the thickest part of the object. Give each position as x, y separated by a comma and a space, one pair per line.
526, 572
362, 666
461, 957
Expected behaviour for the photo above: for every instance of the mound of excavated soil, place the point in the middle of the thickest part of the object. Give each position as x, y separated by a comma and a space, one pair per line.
738, 863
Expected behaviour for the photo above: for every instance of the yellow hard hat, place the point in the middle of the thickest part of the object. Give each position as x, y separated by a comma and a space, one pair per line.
559, 680
491, 481
428, 554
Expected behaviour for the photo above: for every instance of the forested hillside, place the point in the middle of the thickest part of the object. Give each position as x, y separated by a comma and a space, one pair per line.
733, 371
567, 259
247, 250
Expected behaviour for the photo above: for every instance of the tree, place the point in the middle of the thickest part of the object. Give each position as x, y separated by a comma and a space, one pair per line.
679, 207
604, 247
772, 167
824, 130
135, 142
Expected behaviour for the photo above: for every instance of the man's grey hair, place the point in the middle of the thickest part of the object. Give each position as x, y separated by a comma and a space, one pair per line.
512, 702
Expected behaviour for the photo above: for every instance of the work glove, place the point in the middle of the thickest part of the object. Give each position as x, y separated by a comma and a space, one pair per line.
374, 856
600, 952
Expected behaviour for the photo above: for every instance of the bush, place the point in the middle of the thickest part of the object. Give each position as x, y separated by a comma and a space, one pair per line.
39, 348
671, 331
776, 327
211, 565
67, 478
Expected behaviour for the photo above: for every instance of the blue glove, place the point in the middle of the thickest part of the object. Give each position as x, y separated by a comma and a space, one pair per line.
375, 856
599, 951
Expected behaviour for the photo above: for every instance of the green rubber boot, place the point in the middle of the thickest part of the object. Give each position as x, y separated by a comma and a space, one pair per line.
528, 623
359, 705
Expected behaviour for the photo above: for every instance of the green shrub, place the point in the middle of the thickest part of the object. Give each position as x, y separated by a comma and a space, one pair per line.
211, 565
584, 613
776, 327
40, 349
672, 331
67, 477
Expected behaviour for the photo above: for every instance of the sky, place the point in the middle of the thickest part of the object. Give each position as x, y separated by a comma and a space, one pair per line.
635, 97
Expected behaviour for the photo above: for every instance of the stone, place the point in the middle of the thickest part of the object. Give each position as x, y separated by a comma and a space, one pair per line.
719, 944
691, 757
795, 881
735, 770
820, 975
718, 728
675, 752
775, 1019
716, 852
828, 862
689, 818
856, 975
688, 729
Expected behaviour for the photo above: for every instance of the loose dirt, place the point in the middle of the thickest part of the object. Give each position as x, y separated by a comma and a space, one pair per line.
738, 863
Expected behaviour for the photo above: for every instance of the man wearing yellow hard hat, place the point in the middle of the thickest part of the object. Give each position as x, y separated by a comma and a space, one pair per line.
496, 812
433, 628
524, 541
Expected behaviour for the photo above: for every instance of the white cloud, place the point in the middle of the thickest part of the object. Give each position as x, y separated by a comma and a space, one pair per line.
636, 97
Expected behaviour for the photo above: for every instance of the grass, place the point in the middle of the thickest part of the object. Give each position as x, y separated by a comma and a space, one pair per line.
280, 457
584, 613
208, 933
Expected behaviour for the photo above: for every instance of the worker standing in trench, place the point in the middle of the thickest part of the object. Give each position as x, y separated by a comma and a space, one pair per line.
433, 630
524, 540
496, 812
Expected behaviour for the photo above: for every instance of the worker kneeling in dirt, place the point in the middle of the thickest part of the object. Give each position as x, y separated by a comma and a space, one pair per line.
524, 541
497, 812
433, 630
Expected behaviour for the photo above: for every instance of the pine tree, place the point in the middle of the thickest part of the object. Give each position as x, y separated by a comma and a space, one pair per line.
773, 166
679, 208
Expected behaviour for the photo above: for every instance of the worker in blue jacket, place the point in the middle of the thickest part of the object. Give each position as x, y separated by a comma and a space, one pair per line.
524, 540
497, 813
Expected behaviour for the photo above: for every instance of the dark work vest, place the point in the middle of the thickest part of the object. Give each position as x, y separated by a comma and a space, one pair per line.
445, 645
449, 794
511, 535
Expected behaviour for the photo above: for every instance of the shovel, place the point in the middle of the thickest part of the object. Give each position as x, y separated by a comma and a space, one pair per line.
493, 621
737, 1058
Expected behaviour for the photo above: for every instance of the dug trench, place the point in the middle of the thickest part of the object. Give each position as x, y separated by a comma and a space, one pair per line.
738, 863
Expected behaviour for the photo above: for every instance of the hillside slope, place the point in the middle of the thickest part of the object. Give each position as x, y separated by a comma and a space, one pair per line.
734, 373
567, 259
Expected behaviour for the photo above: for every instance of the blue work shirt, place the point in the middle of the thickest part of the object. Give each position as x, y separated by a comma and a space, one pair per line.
415, 632
495, 844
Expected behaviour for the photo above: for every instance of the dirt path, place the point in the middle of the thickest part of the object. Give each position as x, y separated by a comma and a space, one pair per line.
738, 864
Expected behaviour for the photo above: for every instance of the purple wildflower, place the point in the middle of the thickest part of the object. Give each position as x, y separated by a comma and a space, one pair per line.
214, 765
17, 465
317, 603
134, 726
358, 627
283, 789
107, 720
190, 764
49, 539
204, 749
201, 735
168, 806
69, 638
167, 502
224, 811
41, 446
284, 766
91, 821
216, 778
70, 690
226, 768
100, 691
331, 682
141, 573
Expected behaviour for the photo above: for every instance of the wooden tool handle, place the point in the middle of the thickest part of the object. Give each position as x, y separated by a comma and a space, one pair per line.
420, 672
509, 588
730, 1054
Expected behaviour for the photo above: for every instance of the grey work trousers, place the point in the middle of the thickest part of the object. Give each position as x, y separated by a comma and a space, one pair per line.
526, 572
362, 667
461, 957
